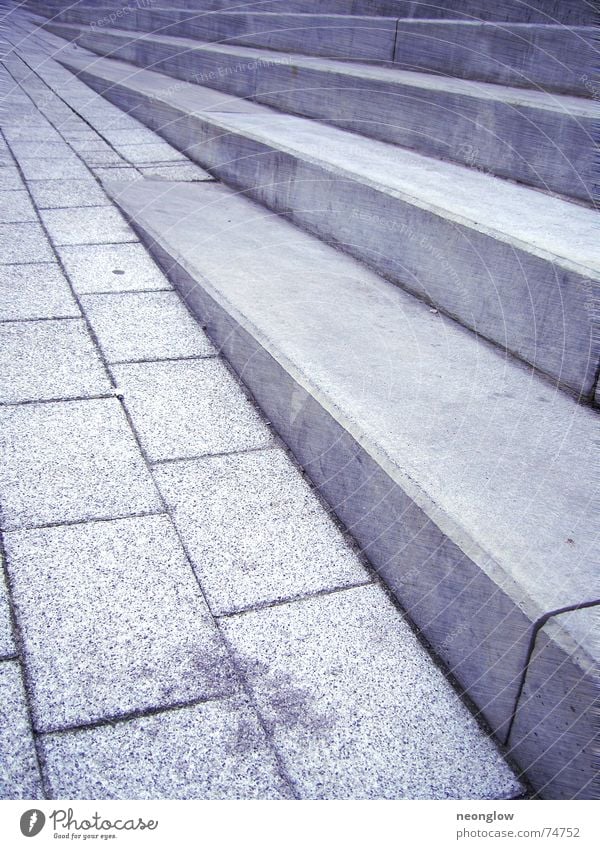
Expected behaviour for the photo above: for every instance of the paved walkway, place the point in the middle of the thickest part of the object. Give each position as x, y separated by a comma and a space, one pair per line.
181, 617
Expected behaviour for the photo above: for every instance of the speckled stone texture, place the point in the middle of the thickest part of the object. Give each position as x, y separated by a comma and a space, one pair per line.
7, 644
87, 226
356, 707
255, 531
151, 154
144, 326
19, 772
54, 169
53, 194
123, 626
24, 243
16, 207
35, 291
70, 461
189, 408
10, 179
111, 268
186, 172
44, 360
215, 750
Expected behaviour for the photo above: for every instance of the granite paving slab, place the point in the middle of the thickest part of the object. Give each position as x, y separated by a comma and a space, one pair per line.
21, 243
45, 360
255, 531
35, 291
112, 268
145, 325
214, 750
54, 194
104, 225
188, 408
86, 457
10, 178
355, 706
19, 775
53, 169
123, 626
7, 644
15, 206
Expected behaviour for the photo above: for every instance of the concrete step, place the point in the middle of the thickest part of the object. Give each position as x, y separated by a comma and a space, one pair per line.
573, 12
467, 480
553, 57
532, 137
515, 265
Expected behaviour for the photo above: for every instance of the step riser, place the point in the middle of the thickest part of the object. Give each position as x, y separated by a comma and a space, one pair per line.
488, 658
491, 286
358, 38
520, 143
530, 57
573, 12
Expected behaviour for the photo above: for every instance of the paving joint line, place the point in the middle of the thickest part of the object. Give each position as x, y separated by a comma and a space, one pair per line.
130, 716
282, 602
27, 684
66, 523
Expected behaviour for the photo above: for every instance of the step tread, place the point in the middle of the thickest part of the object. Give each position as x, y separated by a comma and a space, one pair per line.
563, 103
549, 227
496, 457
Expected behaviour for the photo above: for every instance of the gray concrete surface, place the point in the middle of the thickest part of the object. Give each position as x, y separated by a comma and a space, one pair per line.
494, 255
556, 721
545, 11
37, 290
518, 134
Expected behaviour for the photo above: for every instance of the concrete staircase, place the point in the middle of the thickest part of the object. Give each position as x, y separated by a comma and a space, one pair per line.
400, 260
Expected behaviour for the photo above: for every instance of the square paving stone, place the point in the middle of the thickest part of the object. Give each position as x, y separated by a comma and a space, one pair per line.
175, 173
81, 225
7, 645
123, 626
70, 461
53, 169
15, 207
189, 408
35, 291
356, 707
45, 360
255, 531
31, 130
104, 158
42, 149
214, 750
19, 772
10, 179
140, 154
145, 325
26, 242
112, 268
53, 194
130, 137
